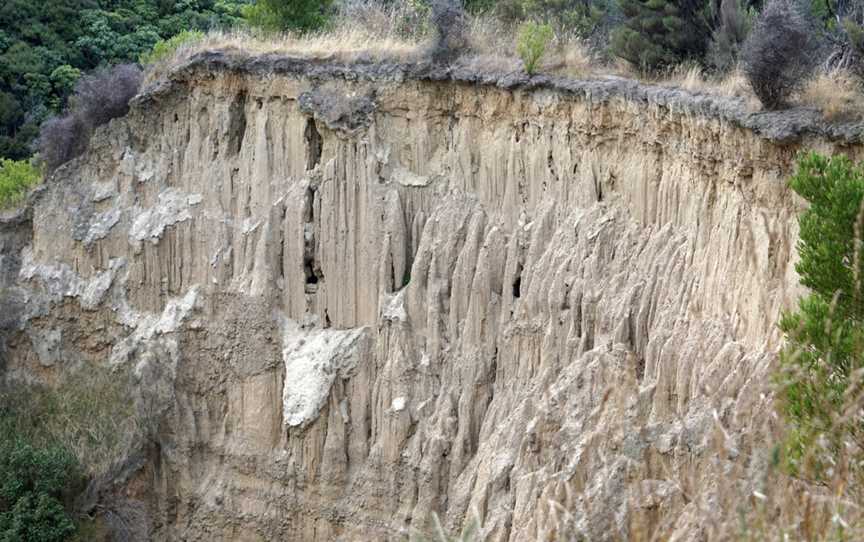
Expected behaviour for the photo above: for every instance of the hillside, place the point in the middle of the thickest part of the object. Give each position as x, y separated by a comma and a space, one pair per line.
355, 294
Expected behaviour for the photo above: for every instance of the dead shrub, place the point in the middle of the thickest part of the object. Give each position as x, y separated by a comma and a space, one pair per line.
779, 54
450, 23
98, 98
61, 139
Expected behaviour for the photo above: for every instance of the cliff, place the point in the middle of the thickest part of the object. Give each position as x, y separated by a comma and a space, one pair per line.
352, 296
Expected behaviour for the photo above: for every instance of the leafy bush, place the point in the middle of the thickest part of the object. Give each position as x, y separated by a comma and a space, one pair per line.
16, 177
166, 48
98, 98
36, 485
45, 46
825, 336
780, 53
52, 440
657, 34
283, 15
531, 43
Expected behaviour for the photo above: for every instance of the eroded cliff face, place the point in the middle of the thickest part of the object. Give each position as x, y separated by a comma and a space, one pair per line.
351, 302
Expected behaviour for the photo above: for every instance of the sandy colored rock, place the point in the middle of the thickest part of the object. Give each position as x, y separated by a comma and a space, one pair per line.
451, 298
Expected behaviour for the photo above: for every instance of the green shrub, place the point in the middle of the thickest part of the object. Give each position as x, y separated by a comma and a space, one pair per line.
52, 441
583, 18
657, 34
164, 49
820, 378
36, 486
91, 413
531, 43
288, 15
16, 177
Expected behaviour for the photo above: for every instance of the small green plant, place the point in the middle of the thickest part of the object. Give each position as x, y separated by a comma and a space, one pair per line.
16, 178
288, 15
531, 43
164, 49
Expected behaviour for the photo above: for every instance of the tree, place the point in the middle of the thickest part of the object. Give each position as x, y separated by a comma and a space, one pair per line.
660, 33
825, 336
289, 15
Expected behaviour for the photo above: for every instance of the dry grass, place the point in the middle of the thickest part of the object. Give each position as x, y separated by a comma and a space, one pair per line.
341, 44
91, 412
692, 77
400, 32
838, 94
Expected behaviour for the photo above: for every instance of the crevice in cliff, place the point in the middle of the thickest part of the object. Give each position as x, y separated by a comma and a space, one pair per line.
236, 124
517, 283
280, 263
311, 266
314, 144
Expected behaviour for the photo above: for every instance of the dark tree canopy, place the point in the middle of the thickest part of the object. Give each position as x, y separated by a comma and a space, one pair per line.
45, 46
660, 33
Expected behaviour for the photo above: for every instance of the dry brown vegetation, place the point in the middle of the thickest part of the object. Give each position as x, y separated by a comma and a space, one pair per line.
91, 413
402, 34
838, 94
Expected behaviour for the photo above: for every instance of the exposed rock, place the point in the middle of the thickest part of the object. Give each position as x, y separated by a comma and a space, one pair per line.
172, 207
312, 361
338, 112
516, 296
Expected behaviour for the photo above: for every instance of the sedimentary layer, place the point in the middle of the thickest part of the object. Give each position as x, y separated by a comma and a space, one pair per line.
355, 296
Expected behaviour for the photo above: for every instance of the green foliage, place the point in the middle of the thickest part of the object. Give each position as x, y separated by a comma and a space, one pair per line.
166, 48
531, 43
288, 15
91, 413
51, 440
825, 336
582, 17
45, 46
63, 80
35, 486
16, 177
657, 34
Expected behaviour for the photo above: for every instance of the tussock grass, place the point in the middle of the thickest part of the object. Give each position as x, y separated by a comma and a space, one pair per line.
837, 94
90, 412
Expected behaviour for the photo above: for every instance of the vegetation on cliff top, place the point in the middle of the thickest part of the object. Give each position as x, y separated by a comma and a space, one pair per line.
16, 178
697, 44
46, 46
